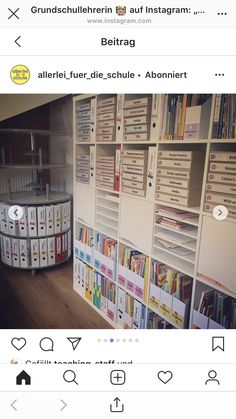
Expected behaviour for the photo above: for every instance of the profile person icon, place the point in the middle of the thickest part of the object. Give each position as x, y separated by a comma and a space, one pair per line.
212, 378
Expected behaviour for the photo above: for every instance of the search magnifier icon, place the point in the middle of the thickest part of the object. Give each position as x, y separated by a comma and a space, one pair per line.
70, 376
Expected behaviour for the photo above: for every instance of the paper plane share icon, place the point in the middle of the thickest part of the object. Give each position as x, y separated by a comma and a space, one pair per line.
74, 342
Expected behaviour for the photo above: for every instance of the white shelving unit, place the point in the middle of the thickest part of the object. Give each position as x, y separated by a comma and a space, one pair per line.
131, 220
23, 244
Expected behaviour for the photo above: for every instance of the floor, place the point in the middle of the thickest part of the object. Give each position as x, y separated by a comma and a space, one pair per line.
45, 301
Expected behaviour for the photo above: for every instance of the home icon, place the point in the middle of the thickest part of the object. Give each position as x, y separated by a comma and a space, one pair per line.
23, 378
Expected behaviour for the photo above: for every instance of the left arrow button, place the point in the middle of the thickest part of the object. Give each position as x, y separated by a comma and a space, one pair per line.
13, 404
17, 41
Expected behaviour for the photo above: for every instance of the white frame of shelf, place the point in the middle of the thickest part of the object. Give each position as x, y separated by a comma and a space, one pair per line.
165, 256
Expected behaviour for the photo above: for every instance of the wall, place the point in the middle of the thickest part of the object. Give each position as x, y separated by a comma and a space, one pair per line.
11, 105
61, 116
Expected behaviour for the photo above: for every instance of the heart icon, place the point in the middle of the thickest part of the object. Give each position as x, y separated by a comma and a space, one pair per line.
18, 343
165, 376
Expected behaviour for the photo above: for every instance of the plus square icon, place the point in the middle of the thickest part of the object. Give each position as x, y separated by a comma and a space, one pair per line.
117, 377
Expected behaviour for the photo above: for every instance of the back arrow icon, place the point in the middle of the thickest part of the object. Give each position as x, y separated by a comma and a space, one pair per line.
15, 212
12, 404
64, 405
17, 39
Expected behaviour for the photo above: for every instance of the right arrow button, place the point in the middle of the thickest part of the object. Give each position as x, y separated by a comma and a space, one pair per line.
63, 405
220, 212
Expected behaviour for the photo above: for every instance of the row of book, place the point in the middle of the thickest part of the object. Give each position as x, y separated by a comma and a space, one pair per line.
137, 119
171, 281
179, 177
104, 295
184, 116
221, 181
85, 120
224, 117
106, 119
170, 294
133, 260
86, 236
122, 309
35, 253
83, 279
218, 307
43, 220
131, 314
106, 246
156, 322
134, 172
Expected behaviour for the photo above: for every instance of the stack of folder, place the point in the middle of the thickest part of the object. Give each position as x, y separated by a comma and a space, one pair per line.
134, 172
83, 118
179, 177
137, 119
105, 172
221, 185
35, 253
83, 168
156, 322
42, 220
106, 119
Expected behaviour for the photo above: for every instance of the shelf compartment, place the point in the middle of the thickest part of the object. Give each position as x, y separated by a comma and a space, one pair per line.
191, 233
191, 244
104, 212
188, 258
174, 261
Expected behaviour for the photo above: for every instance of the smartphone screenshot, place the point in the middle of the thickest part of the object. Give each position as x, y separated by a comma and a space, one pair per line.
117, 209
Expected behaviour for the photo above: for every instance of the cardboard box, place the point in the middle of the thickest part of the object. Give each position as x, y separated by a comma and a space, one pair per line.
216, 187
134, 161
178, 174
136, 137
134, 169
186, 202
227, 200
221, 178
225, 156
179, 183
180, 164
180, 155
137, 120
130, 129
132, 191
132, 103
132, 184
223, 168
134, 112
106, 102
178, 191
106, 116
131, 176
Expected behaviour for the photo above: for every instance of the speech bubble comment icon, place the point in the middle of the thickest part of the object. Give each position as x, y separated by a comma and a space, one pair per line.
46, 344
